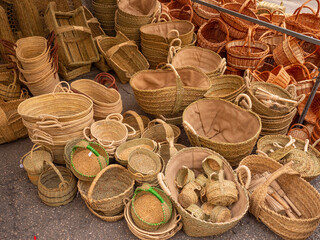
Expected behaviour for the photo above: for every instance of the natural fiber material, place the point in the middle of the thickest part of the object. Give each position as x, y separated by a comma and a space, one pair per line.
109, 188
76, 45
203, 13
57, 186
299, 131
69, 73
184, 176
189, 194
235, 141
212, 164
5, 32
314, 109
207, 61
272, 38
9, 87
68, 150
138, 122
176, 90
123, 151
192, 158
196, 211
301, 193
11, 126
220, 214
105, 100
34, 162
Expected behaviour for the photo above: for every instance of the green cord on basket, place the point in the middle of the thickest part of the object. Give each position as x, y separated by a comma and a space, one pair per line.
93, 150
151, 190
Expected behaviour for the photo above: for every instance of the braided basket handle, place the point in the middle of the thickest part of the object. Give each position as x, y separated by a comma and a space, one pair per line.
161, 181
115, 117
260, 193
137, 118
63, 183
248, 172
168, 130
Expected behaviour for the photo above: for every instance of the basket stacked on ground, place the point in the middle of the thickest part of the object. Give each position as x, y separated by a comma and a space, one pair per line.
130, 16
9, 86
53, 119
105, 11
157, 38
193, 158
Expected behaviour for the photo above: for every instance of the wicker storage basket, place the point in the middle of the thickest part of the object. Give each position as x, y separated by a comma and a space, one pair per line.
203, 14
138, 122
273, 142
235, 141
213, 35
109, 188
69, 73
11, 126
226, 87
57, 186
105, 100
314, 109
176, 90
301, 193
185, 13
299, 131
9, 87
206, 60
272, 38
76, 45
104, 11
34, 162
194, 227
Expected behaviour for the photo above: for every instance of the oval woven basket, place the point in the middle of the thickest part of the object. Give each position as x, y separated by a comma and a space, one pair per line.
109, 188
192, 226
57, 186
235, 141
300, 192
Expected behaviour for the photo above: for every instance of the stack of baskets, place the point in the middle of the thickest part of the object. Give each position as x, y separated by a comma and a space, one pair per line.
53, 119
157, 38
104, 11
37, 64
130, 16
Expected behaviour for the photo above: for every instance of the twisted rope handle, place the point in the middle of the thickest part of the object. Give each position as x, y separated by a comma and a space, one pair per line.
247, 170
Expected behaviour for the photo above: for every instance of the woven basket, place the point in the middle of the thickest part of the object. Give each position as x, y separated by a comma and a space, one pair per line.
138, 122
267, 143
9, 87
203, 13
109, 188
5, 32
11, 126
145, 198
206, 60
57, 186
235, 141
123, 151
68, 150
161, 132
76, 45
165, 231
69, 73
165, 151
299, 133
185, 13
213, 35
314, 109
105, 100
272, 38
301, 193
244, 54
226, 87
180, 88
194, 227
34, 162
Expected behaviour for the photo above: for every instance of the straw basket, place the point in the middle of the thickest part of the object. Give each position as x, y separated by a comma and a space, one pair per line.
206, 60
235, 141
181, 87
9, 87
57, 186
105, 100
138, 122
299, 133
5, 32
109, 188
69, 73
68, 150
11, 125
211, 35
301, 193
194, 227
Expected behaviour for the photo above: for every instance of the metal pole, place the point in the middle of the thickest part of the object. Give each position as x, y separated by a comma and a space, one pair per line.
262, 23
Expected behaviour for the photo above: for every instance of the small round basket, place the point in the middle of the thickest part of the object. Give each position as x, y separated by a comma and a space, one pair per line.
138, 122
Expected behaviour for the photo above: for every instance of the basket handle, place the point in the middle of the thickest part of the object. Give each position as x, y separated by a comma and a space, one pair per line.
85, 134
63, 183
115, 117
248, 104
173, 31
34, 147
187, 6
162, 184
247, 170
106, 78
137, 118
150, 190
161, 19
116, 48
171, 53
133, 131
244, 5
221, 23
64, 29
260, 193
261, 62
63, 89
179, 88
304, 128
313, 71
298, 10
168, 129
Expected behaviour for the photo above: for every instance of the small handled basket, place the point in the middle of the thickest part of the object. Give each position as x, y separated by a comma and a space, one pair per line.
299, 131
57, 186
136, 121
146, 198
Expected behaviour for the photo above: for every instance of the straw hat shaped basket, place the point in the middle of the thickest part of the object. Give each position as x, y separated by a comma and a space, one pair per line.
309, 168
178, 88
192, 226
305, 197
57, 186
226, 132
109, 188
206, 60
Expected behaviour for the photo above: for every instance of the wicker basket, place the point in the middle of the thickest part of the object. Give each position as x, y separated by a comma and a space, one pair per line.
5, 32
194, 227
180, 88
69, 73
299, 133
9, 87
185, 13
301, 193
235, 141
138, 122
314, 109
206, 60
272, 38
109, 188
68, 150
57, 186
76, 45
203, 14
